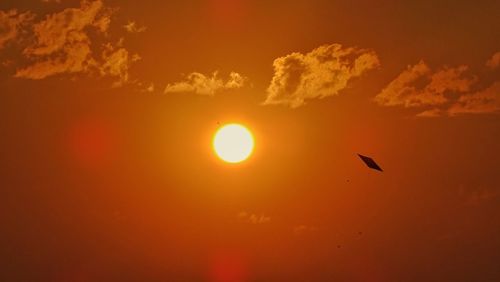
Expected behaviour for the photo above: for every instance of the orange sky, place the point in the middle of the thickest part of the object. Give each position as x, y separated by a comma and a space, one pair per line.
108, 108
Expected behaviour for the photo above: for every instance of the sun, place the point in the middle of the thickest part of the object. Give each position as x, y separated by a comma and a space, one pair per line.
233, 143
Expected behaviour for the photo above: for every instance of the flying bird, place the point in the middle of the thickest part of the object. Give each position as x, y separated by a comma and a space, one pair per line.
370, 162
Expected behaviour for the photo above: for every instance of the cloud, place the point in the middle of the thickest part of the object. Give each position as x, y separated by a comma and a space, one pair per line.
201, 84
253, 218
132, 27
449, 91
62, 44
77, 58
116, 63
7, 63
484, 101
65, 28
302, 229
494, 61
477, 196
323, 72
431, 113
11, 23
150, 88
418, 86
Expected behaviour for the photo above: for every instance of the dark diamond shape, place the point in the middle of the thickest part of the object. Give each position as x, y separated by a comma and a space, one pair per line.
370, 162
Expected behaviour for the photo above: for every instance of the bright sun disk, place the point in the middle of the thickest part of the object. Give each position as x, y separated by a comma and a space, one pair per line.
233, 143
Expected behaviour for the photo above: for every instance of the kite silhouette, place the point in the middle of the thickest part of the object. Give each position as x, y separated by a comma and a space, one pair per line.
370, 162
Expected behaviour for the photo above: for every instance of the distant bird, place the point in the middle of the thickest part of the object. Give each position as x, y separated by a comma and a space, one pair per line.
370, 162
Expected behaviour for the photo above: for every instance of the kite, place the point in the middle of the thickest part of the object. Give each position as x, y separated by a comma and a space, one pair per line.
370, 162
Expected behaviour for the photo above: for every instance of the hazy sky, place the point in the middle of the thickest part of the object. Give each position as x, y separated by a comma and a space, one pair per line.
108, 109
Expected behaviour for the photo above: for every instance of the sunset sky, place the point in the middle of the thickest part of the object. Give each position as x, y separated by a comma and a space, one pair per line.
108, 111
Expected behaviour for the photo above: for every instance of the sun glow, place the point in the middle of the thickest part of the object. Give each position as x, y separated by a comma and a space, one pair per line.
233, 143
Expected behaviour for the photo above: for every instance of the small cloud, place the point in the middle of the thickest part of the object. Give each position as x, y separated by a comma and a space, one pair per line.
7, 63
242, 214
201, 84
303, 229
431, 113
144, 87
133, 27
418, 86
253, 218
477, 196
11, 23
150, 88
494, 61
323, 72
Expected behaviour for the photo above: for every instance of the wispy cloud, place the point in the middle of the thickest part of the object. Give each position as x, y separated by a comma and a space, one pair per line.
150, 88
323, 72
133, 27
431, 113
11, 23
302, 229
449, 91
484, 101
117, 62
201, 84
419, 86
253, 218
